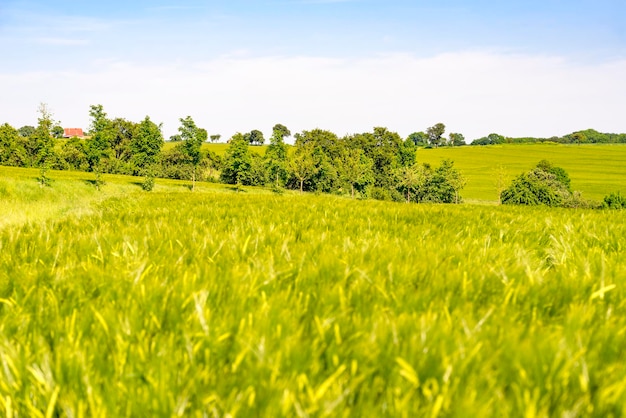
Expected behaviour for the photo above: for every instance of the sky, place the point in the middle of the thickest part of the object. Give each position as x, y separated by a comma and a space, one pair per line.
517, 68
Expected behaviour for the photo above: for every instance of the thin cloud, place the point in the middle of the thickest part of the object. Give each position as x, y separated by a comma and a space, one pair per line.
62, 41
474, 93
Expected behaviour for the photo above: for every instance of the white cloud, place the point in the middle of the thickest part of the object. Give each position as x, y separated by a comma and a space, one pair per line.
474, 93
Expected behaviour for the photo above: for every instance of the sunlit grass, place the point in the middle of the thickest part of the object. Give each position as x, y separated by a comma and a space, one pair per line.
210, 303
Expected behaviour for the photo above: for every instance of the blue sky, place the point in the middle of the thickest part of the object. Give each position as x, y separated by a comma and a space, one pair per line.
514, 67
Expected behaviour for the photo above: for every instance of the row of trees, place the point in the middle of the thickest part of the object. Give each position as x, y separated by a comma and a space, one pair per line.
377, 164
589, 136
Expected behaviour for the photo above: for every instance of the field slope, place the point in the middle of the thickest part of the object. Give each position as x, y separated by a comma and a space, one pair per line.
218, 303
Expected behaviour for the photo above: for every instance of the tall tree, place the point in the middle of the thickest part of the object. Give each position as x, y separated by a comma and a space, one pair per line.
276, 156
435, 134
192, 138
99, 144
42, 140
237, 162
146, 146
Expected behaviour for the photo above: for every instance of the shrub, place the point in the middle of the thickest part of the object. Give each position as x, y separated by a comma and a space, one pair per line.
614, 201
544, 185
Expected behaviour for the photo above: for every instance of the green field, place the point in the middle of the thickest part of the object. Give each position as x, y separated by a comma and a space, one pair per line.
595, 170
224, 303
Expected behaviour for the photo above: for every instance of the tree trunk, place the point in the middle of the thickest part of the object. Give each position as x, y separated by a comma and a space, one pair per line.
193, 180
301, 185
352, 185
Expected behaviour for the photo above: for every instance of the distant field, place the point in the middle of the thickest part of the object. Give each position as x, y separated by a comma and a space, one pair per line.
224, 303
595, 170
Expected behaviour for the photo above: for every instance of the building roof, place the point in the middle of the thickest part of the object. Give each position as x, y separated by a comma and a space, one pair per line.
71, 132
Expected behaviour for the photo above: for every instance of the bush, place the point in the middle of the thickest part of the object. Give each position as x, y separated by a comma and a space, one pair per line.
614, 201
544, 185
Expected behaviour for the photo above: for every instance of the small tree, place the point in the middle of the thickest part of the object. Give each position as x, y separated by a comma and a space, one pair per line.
355, 168
411, 178
192, 138
215, 138
302, 165
237, 163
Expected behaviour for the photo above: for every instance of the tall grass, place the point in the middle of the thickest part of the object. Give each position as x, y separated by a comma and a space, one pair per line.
219, 303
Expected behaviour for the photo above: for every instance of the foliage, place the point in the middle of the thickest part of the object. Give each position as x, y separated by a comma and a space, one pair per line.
544, 185
355, 169
614, 201
276, 157
237, 167
146, 145
435, 134
254, 137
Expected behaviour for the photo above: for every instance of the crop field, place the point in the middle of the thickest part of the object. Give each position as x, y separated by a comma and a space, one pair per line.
595, 170
225, 303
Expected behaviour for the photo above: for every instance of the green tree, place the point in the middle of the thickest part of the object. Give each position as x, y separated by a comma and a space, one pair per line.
418, 138
74, 153
255, 137
355, 168
302, 165
456, 140
42, 140
99, 144
276, 156
57, 132
237, 162
11, 150
26, 131
411, 179
146, 147
215, 138
435, 134
192, 138
407, 153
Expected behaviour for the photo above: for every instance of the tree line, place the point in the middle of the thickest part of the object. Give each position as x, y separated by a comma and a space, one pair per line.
588, 136
378, 164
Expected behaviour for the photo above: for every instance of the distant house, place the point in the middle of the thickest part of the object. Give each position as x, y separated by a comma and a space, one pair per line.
72, 132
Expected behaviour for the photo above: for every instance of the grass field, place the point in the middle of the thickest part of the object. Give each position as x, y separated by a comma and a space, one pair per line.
595, 170
218, 303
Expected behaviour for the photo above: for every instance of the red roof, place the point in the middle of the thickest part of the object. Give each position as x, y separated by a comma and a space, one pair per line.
71, 132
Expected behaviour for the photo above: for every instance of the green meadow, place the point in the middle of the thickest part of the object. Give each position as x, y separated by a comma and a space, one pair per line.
224, 303
595, 170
